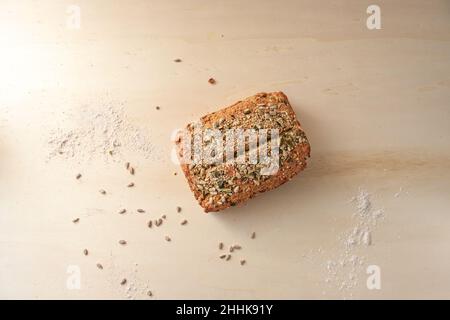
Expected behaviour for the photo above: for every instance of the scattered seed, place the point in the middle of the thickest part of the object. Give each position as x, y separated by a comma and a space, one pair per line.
237, 247
122, 211
177, 60
85, 252
167, 238
221, 245
253, 236
76, 220
222, 256
231, 249
150, 294
157, 108
131, 184
183, 222
243, 262
140, 210
178, 209
127, 165
122, 242
132, 170
123, 282
212, 81
164, 217
158, 222
78, 176
99, 266
175, 173
150, 224
228, 257
102, 191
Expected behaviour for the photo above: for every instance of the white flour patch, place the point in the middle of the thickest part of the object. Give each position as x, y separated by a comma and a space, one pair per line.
343, 271
100, 132
133, 288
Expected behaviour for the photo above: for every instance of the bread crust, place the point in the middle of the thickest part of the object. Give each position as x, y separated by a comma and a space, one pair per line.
245, 114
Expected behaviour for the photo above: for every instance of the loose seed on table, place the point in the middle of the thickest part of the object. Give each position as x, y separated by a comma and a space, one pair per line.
122, 211
242, 262
78, 176
167, 238
228, 257
212, 81
85, 252
183, 222
220, 245
222, 256
132, 170
127, 165
123, 282
149, 293
253, 236
140, 210
102, 191
131, 184
150, 224
76, 220
122, 242
237, 247
231, 249
99, 266
178, 209
164, 217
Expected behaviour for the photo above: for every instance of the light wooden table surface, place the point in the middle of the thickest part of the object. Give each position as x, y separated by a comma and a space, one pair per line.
374, 104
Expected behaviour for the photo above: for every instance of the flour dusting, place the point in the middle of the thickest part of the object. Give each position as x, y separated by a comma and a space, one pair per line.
102, 132
343, 271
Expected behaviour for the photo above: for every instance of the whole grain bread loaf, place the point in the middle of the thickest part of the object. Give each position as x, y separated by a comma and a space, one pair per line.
222, 184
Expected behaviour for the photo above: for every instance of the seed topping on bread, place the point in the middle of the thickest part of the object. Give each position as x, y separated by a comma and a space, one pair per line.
218, 185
